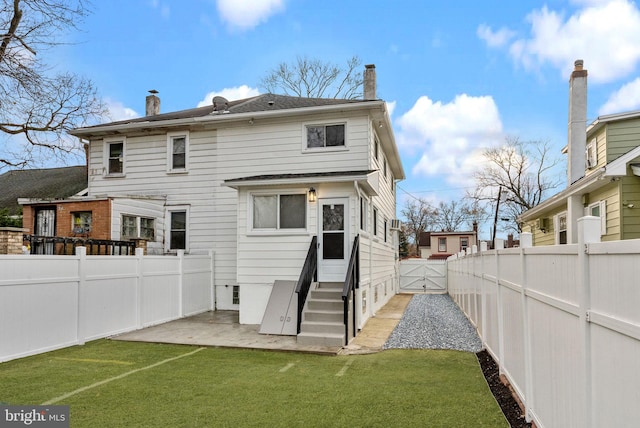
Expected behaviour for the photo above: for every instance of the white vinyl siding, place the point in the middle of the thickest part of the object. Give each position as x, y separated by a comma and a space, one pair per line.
230, 152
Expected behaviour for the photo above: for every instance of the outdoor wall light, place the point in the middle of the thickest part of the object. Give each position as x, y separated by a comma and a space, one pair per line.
312, 195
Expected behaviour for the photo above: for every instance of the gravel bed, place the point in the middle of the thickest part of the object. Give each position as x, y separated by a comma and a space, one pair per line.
434, 321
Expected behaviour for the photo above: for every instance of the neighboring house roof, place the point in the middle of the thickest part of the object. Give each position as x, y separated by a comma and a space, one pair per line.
594, 181
461, 233
50, 183
254, 109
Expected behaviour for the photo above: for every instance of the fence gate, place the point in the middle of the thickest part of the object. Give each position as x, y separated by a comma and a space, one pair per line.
423, 275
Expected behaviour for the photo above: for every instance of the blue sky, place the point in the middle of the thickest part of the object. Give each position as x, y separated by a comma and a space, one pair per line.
458, 75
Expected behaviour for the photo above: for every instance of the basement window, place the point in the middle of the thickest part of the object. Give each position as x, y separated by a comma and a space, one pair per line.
236, 295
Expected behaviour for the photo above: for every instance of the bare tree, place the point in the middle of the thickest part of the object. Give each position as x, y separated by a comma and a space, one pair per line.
313, 78
453, 215
523, 170
38, 107
419, 216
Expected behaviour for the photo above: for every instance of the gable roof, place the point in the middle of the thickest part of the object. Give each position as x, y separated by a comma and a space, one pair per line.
50, 183
257, 104
266, 106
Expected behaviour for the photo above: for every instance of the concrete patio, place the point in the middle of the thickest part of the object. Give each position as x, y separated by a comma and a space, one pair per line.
222, 329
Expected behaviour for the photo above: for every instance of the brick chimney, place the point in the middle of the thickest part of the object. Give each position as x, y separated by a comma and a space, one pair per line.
153, 103
370, 82
577, 143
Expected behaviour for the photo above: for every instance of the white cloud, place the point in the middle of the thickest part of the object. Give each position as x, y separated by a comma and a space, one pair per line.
165, 10
605, 34
449, 137
117, 111
624, 99
495, 39
246, 14
237, 93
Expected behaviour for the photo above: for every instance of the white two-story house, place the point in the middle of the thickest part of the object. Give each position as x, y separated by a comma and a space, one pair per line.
258, 181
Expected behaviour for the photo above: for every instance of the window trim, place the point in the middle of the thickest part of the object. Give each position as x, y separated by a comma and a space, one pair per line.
364, 214
591, 161
375, 221
107, 142
602, 206
307, 149
277, 231
83, 230
442, 239
556, 227
138, 225
167, 240
170, 138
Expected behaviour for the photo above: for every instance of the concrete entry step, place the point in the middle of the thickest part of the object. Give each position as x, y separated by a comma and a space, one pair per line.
320, 339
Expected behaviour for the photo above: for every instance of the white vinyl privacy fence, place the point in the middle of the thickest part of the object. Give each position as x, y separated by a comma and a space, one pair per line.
50, 302
563, 322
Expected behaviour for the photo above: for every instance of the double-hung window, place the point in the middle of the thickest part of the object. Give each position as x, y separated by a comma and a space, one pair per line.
115, 157
375, 221
325, 136
279, 211
364, 213
177, 228
442, 245
560, 223
177, 151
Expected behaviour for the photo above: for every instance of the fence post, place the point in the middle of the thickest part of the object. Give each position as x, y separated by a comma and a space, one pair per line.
139, 254
180, 284
81, 254
526, 241
588, 232
499, 244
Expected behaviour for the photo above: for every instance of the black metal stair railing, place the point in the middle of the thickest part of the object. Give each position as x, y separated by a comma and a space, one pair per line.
307, 277
351, 283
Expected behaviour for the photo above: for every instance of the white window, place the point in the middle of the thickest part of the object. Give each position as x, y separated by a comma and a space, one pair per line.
177, 151
375, 221
376, 147
281, 211
364, 213
384, 167
386, 229
325, 136
81, 222
114, 155
442, 245
560, 226
134, 227
599, 209
592, 154
177, 233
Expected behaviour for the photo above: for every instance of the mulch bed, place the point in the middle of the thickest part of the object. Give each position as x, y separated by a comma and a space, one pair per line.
501, 392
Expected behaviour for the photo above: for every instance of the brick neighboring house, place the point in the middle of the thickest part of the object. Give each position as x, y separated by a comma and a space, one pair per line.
48, 183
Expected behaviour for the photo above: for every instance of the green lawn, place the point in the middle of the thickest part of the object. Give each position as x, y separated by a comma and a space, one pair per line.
123, 384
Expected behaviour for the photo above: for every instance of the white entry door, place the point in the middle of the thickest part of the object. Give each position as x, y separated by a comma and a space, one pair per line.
333, 239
